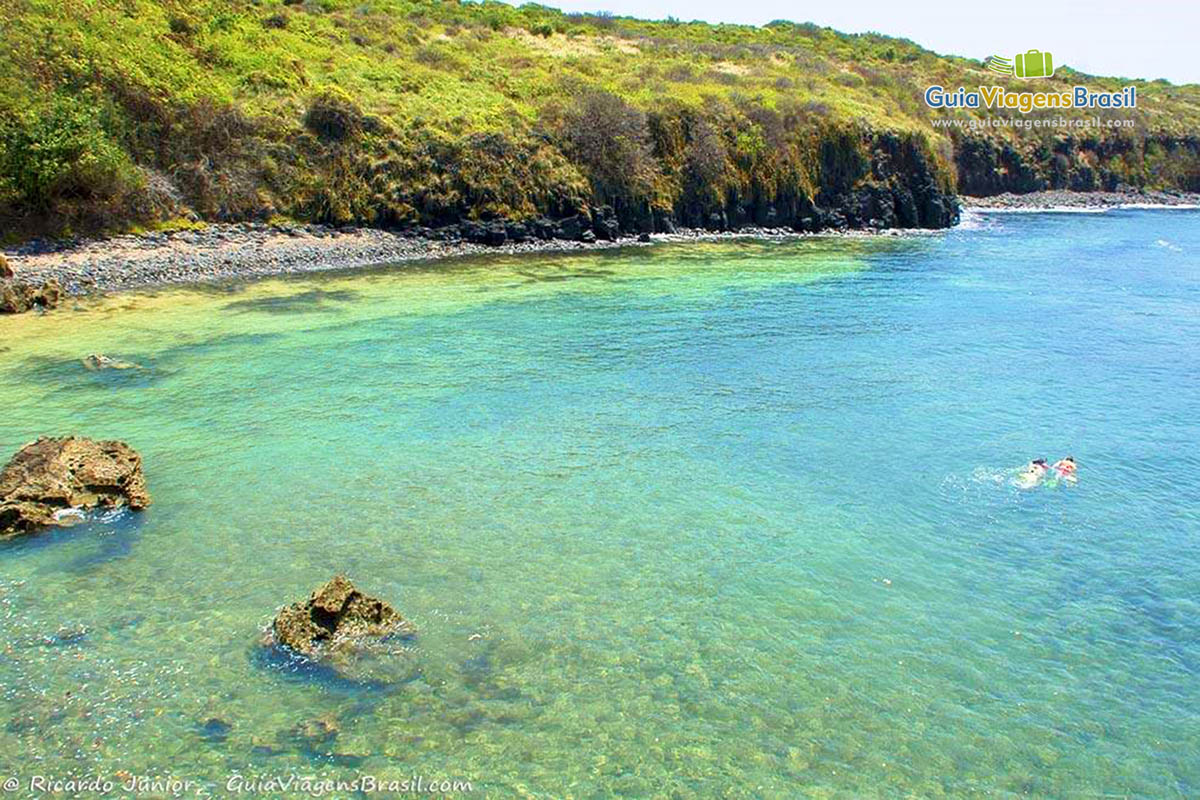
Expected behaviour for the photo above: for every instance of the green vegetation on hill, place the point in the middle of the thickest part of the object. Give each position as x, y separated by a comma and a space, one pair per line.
122, 112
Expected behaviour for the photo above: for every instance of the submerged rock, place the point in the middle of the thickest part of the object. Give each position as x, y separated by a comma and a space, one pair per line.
51, 475
313, 735
316, 739
342, 628
99, 361
66, 635
214, 729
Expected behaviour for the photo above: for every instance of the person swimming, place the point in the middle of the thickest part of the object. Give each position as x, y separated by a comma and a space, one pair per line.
1065, 467
1033, 473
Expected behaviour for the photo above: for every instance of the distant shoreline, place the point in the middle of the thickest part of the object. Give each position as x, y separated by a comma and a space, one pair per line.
1062, 200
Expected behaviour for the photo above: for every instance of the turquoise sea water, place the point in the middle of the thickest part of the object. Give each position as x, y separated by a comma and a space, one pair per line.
713, 520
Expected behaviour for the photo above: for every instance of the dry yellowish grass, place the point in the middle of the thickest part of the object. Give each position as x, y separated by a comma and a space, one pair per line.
560, 45
731, 68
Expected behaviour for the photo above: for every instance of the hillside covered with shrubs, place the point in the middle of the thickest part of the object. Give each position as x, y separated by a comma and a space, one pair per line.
124, 113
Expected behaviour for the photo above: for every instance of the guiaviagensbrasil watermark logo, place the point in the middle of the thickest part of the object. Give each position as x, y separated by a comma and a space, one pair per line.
1030, 64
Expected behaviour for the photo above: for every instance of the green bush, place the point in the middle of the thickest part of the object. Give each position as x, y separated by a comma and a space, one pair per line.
61, 153
610, 140
334, 116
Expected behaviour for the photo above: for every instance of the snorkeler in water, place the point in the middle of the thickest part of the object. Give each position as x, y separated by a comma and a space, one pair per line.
1065, 467
1033, 473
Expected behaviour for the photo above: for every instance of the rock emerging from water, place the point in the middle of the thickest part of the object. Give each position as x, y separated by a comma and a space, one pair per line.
51, 294
56, 475
17, 297
347, 630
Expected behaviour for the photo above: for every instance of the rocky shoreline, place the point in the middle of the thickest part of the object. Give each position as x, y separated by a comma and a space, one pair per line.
220, 252
1063, 199
230, 251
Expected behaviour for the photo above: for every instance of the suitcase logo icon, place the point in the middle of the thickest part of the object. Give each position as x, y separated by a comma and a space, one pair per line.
1030, 64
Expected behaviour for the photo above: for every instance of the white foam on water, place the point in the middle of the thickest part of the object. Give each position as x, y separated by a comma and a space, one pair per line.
1046, 210
76, 515
970, 220
992, 475
1080, 209
111, 515
1161, 206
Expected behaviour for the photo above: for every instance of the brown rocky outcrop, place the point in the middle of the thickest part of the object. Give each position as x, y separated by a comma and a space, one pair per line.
336, 611
51, 294
17, 297
354, 633
53, 475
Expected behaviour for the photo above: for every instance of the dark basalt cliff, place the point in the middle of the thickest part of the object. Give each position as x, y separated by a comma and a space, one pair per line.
1077, 163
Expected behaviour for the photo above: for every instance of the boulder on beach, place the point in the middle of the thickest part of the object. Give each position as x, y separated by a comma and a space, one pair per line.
605, 224
55, 475
342, 628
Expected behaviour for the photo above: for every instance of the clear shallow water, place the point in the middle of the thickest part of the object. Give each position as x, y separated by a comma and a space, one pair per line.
732, 520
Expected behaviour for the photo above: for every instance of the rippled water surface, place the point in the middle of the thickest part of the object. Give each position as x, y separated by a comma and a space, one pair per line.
713, 520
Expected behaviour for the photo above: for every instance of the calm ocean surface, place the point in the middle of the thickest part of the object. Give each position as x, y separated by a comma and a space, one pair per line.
730, 520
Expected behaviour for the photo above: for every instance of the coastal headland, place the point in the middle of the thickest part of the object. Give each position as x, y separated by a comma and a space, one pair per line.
489, 124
